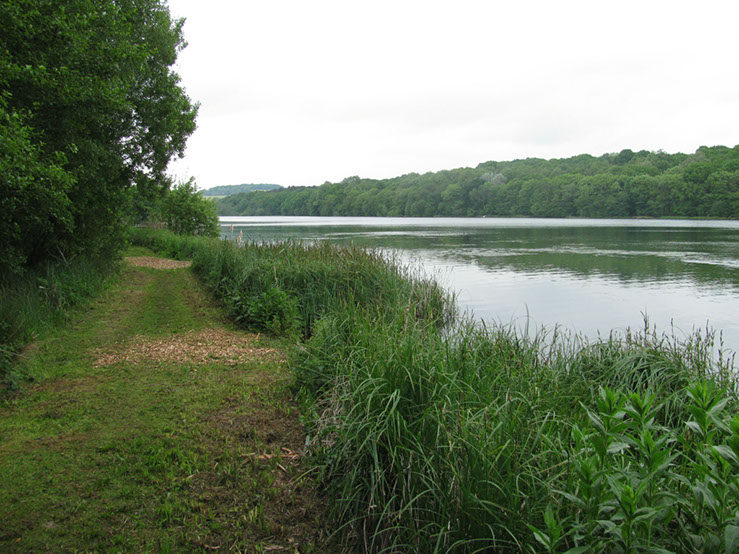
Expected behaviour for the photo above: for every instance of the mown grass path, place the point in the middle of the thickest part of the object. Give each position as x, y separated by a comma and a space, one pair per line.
153, 425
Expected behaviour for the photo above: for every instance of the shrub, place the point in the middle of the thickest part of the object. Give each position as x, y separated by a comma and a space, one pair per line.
273, 312
188, 212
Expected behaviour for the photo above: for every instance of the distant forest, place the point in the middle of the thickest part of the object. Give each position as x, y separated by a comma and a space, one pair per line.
623, 184
227, 190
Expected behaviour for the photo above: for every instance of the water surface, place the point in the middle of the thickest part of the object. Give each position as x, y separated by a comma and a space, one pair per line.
587, 276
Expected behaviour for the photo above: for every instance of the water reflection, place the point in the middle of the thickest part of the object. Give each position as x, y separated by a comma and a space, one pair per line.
589, 276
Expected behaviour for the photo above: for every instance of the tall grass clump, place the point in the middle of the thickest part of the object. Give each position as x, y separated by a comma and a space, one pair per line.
33, 300
480, 438
428, 442
439, 435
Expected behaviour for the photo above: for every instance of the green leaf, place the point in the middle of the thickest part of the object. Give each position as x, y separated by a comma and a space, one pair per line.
725, 452
540, 536
617, 446
695, 427
731, 538
572, 498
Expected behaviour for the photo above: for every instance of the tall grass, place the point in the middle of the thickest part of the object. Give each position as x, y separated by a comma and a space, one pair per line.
441, 436
464, 441
33, 301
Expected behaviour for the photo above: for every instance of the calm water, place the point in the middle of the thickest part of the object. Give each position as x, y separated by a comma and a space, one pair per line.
584, 275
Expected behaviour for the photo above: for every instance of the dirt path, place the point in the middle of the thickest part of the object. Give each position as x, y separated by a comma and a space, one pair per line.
152, 424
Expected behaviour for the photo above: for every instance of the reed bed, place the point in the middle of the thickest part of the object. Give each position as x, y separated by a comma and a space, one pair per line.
469, 441
434, 433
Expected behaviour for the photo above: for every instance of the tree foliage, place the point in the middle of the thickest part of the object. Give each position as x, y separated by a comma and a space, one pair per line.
187, 212
91, 115
34, 204
625, 184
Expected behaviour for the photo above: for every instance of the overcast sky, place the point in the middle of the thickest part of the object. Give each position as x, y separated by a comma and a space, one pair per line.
302, 92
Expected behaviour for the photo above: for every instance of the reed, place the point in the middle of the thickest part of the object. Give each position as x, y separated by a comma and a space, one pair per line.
287, 287
465, 441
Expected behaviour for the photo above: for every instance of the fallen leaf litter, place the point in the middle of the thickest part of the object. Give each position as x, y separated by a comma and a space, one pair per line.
202, 347
157, 263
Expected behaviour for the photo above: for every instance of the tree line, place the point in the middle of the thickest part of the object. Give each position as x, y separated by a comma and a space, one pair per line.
227, 190
623, 184
91, 113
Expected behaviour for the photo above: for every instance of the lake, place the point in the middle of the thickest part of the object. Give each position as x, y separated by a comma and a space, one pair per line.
586, 276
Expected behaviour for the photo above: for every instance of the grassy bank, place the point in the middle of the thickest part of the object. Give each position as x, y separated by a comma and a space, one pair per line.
33, 302
484, 439
472, 438
286, 288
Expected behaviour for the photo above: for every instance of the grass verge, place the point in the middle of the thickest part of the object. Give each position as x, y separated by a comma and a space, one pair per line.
151, 424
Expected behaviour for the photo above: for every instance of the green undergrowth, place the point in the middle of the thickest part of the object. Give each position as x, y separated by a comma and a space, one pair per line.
123, 441
34, 302
439, 435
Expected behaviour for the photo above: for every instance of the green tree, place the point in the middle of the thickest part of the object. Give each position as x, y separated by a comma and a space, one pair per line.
33, 195
626, 184
93, 83
187, 212
453, 201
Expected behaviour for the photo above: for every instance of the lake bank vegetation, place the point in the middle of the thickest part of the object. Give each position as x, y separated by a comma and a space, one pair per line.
435, 433
428, 435
626, 184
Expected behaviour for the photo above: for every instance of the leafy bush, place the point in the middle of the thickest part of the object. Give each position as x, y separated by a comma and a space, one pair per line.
187, 212
273, 311
640, 486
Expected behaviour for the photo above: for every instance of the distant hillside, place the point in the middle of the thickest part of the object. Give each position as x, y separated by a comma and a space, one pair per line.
623, 184
228, 190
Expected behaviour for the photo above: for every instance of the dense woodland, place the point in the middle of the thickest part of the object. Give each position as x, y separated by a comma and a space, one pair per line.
624, 184
227, 190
